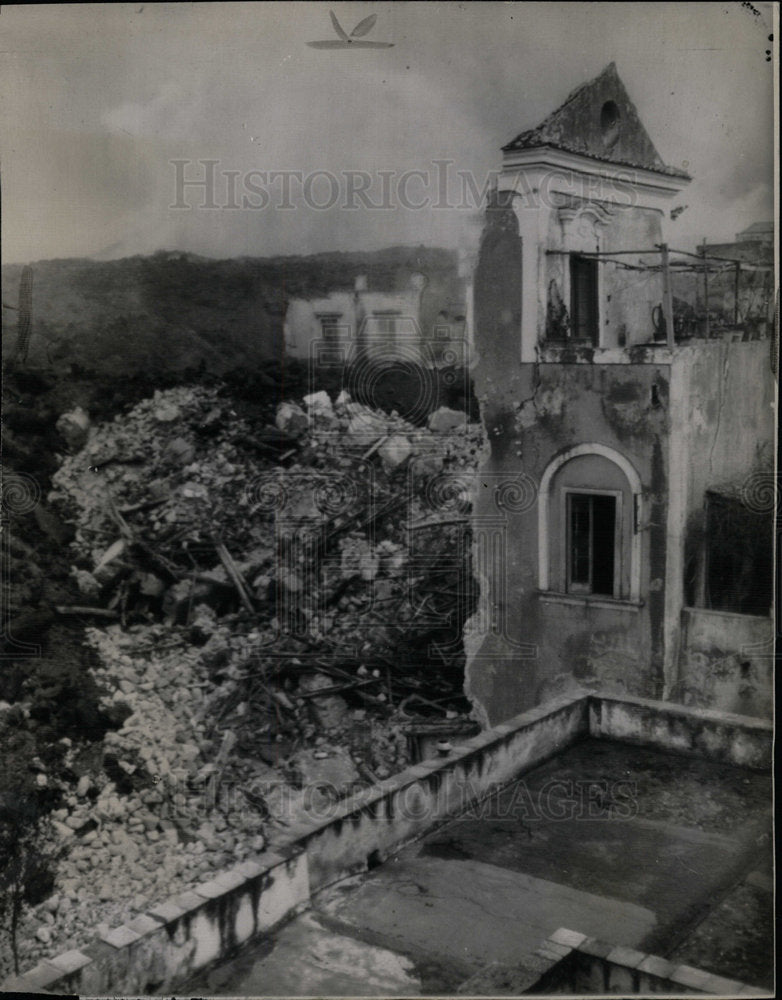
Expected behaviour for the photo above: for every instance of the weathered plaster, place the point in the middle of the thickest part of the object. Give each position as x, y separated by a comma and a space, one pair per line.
726, 662
534, 415
572, 963
303, 332
722, 406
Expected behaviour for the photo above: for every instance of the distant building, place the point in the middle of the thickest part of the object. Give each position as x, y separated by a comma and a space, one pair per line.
753, 246
743, 294
633, 551
409, 321
758, 232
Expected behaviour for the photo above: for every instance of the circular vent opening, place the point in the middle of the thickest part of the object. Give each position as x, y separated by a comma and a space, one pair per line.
610, 119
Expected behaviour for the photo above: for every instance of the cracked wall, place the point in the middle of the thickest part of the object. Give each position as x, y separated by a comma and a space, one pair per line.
544, 645
725, 394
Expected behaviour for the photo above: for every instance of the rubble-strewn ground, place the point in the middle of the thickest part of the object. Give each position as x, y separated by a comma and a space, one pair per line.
265, 608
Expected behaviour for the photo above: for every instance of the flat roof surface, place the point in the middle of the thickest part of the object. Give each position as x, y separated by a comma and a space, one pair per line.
668, 854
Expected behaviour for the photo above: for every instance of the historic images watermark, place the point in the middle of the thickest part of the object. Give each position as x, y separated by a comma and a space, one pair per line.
440, 185
557, 800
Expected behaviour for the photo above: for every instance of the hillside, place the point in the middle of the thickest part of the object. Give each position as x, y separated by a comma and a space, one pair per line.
174, 311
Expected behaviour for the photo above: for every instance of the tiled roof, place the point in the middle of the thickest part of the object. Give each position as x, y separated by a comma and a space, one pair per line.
600, 121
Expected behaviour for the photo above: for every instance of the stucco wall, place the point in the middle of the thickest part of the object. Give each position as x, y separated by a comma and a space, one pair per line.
702, 421
572, 963
718, 736
729, 389
302, 325
356, 322
626, 297
727, 662
545, 644
722, 418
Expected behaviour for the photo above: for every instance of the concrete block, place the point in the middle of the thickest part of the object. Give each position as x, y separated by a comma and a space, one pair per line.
167, 911
120, 937
628, 957
187, 901
653, 965
553, 950
250, 869
40, 977
144, 924
686, 975
571, 939
479, 741
412, 774
230, 879
720, 986
70, 961
434, 763
592, 946
282, 853
210, 890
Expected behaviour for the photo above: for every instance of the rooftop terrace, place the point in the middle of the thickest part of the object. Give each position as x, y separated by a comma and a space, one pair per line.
638, 847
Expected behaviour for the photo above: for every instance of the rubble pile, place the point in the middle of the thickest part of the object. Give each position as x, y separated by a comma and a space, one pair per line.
270, 606
141, 816
333, 544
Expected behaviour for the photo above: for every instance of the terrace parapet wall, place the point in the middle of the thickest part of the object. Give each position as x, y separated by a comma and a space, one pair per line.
577, 964
161, 949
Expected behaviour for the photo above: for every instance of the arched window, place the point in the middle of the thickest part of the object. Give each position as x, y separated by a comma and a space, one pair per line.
589, 510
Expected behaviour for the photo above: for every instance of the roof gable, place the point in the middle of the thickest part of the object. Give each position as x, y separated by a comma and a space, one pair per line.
598, 120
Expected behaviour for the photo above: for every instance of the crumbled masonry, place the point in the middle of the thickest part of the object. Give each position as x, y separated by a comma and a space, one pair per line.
262, 630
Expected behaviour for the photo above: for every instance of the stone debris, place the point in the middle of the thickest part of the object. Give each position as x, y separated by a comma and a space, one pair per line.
292, 419
278, 624
319, 405
394, 451
445, 420
74, 427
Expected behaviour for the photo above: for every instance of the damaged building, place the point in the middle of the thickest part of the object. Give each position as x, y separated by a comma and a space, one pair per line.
642, 561
277, 596
404, 316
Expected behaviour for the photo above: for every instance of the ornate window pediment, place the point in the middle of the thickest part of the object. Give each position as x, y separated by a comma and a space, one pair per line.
583, 220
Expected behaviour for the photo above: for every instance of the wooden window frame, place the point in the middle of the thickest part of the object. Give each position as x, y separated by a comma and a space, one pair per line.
575, 260
565, 521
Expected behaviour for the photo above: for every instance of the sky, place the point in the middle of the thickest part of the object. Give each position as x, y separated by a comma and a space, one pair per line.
98, 101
